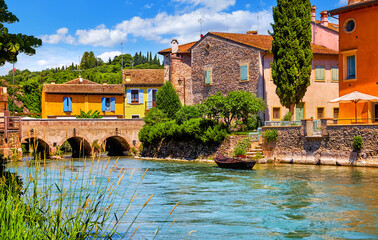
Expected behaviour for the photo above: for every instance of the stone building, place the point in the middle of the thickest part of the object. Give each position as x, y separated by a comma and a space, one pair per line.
233, 61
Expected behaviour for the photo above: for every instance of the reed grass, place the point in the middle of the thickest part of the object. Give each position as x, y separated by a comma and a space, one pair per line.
71, 202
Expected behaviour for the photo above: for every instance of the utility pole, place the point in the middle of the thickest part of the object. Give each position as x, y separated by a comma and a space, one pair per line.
121, 61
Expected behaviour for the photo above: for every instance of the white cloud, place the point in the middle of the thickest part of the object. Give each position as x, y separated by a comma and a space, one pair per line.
60, 36
215, 5
342, 2
42, 62
101, 36
106, 55
149, 5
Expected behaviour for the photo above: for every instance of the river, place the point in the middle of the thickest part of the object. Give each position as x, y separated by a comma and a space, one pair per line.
268, 202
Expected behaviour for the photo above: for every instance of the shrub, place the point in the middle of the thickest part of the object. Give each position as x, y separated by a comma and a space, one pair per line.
186, 113
154, 116
241, 147
168, 100
357, 143
271, 135
287, 116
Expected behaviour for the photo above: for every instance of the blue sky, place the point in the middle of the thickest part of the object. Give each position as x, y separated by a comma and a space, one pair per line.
68, 28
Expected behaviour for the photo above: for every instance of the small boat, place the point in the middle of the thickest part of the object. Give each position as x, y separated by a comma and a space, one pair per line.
235, 163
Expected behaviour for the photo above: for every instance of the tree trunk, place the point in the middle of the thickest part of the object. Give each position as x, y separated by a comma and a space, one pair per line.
291, 110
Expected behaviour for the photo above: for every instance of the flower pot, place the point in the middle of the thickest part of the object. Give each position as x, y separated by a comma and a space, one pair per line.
241, 156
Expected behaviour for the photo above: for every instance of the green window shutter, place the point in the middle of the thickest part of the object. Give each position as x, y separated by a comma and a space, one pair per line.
335, 74
243, 73
208, 76
319, 72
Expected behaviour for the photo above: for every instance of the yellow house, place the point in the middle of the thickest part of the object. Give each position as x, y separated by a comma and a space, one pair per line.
141, 86
66, 100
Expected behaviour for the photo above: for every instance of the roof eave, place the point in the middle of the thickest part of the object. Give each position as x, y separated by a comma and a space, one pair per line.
351, 7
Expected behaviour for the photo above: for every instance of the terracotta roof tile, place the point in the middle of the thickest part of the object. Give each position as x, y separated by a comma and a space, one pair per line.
332, 26
84, 87
184, 48
143, 77
264, 42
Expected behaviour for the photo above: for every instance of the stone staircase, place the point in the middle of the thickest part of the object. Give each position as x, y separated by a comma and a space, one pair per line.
256, 148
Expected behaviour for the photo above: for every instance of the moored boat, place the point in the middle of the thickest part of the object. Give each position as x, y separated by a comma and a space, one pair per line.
235, 163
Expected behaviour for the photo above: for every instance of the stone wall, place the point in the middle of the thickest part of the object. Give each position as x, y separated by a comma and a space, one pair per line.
11, 146
189, 149
180, 69
223, 58
333, 147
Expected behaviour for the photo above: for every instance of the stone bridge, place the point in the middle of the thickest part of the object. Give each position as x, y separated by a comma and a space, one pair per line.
117, 136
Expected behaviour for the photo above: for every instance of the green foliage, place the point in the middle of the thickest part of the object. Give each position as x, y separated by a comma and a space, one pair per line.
168, 100
89, 114
88, 60
291, 48
357, 143
241, 147
155, 115
187, 112
271, 135
258, 156
13, 44
287, 116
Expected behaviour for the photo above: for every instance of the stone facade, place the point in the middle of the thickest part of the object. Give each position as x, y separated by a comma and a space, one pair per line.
11, 146
224, 59
180, 76
333, 147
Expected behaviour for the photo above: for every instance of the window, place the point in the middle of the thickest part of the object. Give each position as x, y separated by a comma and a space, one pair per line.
134, 96
208, 77
351, 67
244, 72
319, 73
349, 25
276, 113
108, 104
335, 113
151, 98
335, 74
135, 116
320, 113
67, 104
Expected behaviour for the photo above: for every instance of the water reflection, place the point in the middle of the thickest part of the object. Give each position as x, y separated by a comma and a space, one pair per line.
279, 202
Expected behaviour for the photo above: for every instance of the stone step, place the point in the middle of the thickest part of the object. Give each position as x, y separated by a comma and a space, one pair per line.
253, 151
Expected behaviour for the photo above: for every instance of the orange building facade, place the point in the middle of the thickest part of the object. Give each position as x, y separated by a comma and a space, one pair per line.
358, 57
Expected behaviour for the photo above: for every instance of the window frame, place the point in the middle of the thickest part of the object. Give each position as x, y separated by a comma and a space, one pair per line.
69, 106
317, 113
333, 112
131, 96
240, 72
338, 75
347, 54
279, 113
316, 69
211, 76
137, 116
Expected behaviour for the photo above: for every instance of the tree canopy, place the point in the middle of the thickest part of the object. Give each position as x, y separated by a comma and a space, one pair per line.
13, 44
167, 99
291, 48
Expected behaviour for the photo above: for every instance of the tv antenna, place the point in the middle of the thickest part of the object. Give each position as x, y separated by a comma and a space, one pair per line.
201, 22
79, 70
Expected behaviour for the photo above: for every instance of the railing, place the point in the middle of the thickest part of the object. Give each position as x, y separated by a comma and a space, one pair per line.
317, 127
10, 124
282, 123
255, 136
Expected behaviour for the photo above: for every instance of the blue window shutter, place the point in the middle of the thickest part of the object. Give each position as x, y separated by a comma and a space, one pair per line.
70, 104
112, 104
243, 73
149, 98
128, 96
65, 107
140, 96
103, 101
207, 76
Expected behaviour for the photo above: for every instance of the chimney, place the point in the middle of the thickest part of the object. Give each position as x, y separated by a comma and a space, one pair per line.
313, 13
324, 18
174, 46
252, 32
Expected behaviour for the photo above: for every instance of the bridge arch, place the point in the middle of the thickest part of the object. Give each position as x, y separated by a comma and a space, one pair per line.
116, 145
41, 147
80, 146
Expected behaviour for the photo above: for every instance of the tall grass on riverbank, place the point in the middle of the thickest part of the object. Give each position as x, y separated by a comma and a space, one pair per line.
70, 202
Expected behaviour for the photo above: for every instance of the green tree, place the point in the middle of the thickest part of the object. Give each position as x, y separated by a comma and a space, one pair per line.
168, 100
291, 48
88, 61
13, 44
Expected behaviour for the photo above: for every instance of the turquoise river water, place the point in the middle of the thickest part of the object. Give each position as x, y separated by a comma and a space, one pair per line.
268, 202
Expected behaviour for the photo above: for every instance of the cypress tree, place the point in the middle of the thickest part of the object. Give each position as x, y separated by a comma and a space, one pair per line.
291, 48
168, 100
